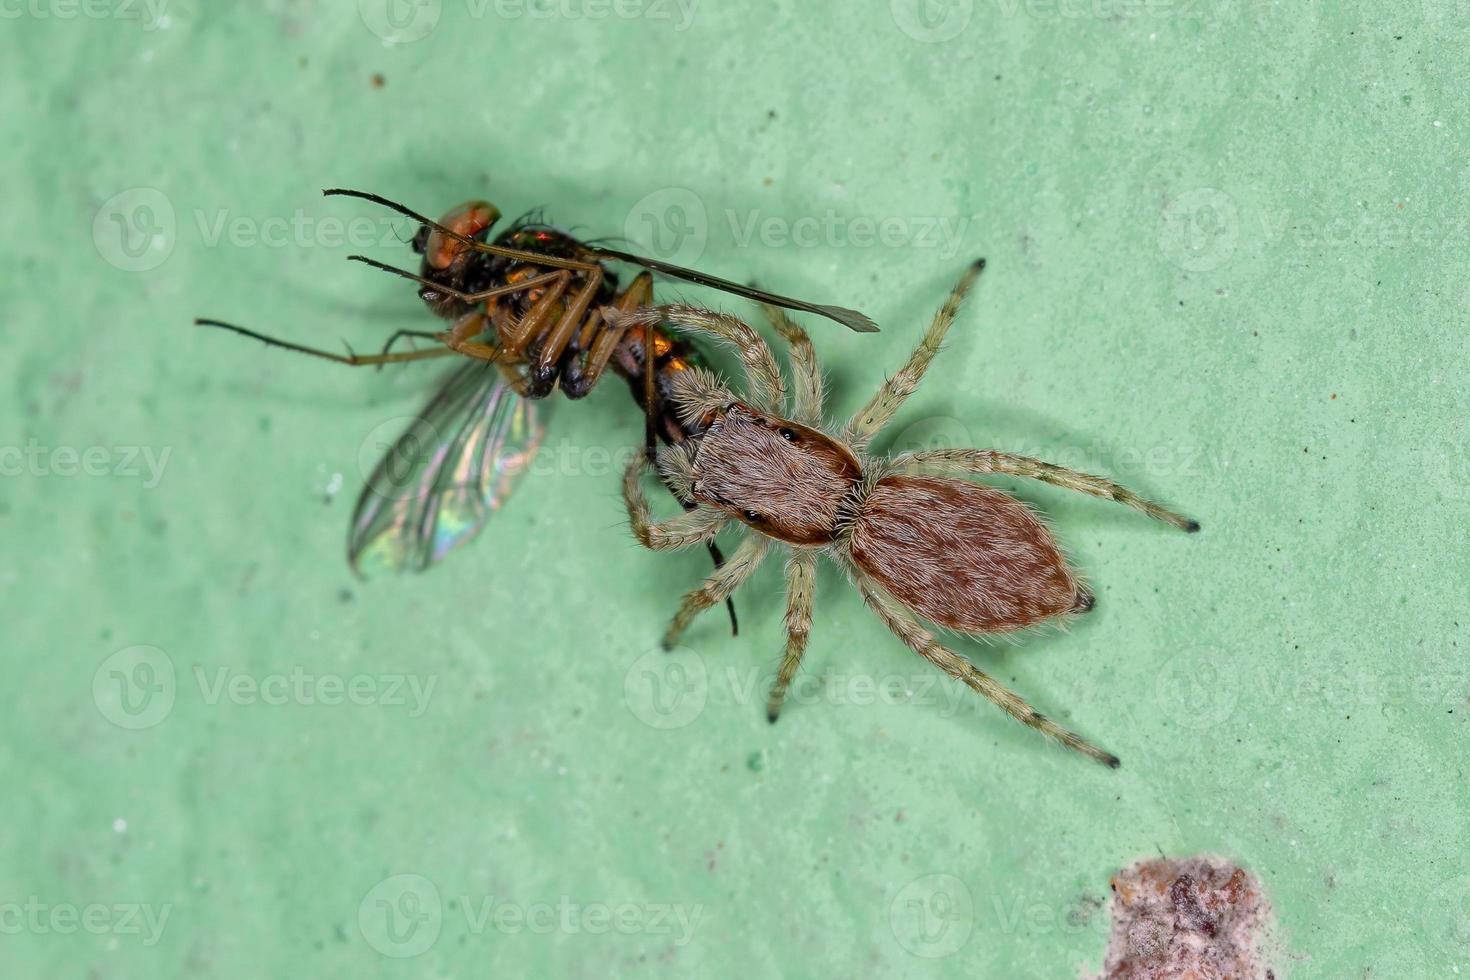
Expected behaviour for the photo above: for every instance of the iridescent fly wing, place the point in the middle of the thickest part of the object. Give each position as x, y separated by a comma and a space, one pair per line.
439, 482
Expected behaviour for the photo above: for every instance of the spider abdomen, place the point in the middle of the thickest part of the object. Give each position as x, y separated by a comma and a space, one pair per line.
963, 556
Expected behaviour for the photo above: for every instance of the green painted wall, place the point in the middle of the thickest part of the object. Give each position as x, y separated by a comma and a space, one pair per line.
1227, 247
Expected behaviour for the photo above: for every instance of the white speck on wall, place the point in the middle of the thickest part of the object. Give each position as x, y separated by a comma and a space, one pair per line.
119, 825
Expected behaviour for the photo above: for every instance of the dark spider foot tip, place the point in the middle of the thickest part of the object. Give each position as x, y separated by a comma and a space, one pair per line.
771, 716
1084, 601
1114, 762
1192, 527
978, 265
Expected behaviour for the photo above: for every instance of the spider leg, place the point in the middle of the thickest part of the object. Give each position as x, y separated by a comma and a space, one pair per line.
971, 461
876, 413
767, 388
718, 587
806, 375
689, 528
800, 588
922, 642
675, 473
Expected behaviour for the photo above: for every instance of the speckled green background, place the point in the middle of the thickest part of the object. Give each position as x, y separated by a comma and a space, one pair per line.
1228, 251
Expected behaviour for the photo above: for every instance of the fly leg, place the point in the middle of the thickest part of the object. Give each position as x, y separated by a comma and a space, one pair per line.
350, 359
581, 374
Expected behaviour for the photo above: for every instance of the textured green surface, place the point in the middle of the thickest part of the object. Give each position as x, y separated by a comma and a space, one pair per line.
1228, 252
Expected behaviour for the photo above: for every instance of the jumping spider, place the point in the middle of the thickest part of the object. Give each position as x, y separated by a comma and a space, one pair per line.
966, 557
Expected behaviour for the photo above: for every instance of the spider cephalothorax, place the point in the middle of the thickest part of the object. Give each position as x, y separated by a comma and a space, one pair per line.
914, 539
784, 479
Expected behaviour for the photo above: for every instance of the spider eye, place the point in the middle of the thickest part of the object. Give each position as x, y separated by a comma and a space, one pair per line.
751, 516
787, 434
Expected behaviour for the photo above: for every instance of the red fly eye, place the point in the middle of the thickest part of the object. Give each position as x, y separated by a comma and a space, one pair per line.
467, 220
471, 219
441, 250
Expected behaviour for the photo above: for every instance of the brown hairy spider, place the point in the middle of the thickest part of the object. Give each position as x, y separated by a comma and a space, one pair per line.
965, 557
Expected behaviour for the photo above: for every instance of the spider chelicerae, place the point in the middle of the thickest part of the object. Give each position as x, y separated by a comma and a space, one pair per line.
917, 542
